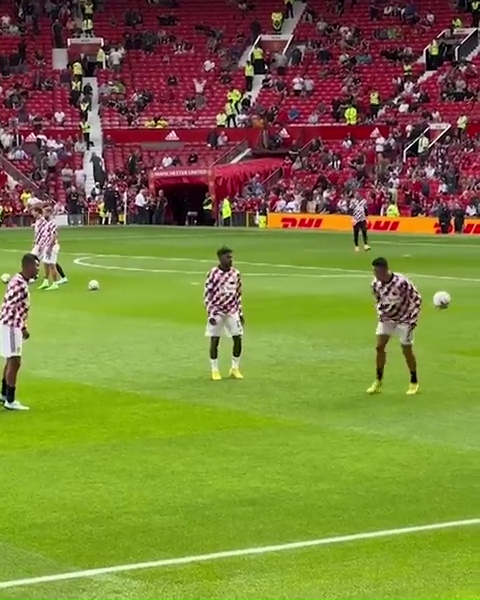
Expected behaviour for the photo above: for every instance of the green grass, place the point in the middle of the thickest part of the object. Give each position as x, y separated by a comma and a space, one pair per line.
131, 454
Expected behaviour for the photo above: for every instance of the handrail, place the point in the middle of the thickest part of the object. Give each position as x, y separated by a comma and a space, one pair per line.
17, 175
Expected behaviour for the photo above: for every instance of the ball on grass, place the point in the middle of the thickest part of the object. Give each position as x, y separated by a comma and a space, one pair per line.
441, 300
5, 278
93, 285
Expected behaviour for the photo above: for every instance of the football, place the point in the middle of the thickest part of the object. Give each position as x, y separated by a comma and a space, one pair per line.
5, 278
93, 285
441, 300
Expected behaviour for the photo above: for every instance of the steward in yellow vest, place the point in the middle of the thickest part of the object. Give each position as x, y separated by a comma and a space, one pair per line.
258, 59
475, 10
457, 23
277, 21
374, 103
226, 212
249, 75
351, 115
289, 9
87, 27
221, 119
392, 210
100, 57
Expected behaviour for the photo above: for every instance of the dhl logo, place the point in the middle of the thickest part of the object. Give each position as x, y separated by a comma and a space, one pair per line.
316, 223
383, 226
301, 223
469, 229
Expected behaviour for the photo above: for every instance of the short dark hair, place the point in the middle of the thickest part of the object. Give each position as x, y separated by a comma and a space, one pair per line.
223, 250
28, 259
380, 262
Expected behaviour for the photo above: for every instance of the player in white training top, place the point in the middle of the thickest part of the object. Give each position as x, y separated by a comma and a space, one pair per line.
49, 248
13, 328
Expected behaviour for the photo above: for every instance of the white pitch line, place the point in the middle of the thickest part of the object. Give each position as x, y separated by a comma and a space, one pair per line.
255, 551
311, 268
83, 262
353, 272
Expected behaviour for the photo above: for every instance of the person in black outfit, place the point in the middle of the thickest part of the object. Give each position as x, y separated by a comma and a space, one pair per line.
458, 219
444, 218
111, 198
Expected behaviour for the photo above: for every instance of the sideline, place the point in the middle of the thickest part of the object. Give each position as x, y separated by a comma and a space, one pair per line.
255, 551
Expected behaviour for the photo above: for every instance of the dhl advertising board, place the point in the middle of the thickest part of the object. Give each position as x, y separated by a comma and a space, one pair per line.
420, 225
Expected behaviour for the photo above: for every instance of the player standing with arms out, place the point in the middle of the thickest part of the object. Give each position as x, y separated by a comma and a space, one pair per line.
39, 224
49, 247
359, 211
13, 328
223, 302
398, 304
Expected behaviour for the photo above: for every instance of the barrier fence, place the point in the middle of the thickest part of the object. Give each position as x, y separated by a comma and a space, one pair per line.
418, 225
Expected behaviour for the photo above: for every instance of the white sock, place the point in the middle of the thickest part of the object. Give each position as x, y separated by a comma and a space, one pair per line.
235, 362
214, 364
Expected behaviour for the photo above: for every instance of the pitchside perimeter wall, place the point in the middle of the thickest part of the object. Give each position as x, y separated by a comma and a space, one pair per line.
418, 225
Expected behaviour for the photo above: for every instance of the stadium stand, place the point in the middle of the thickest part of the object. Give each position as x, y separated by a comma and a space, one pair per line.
172, 65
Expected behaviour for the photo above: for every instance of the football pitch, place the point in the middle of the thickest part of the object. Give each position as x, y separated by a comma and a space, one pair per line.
131, 455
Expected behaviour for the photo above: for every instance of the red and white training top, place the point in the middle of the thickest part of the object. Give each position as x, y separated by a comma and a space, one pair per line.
398, 300
16, 303
223, 292
38, 228
49, 235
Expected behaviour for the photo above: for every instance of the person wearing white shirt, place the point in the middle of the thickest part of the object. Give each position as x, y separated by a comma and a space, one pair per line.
291, 206
141, 208
167, 161
281, 204
380, 144
297, 86
80, 179
114, 59
222, 139
199, 85
6, 140
430, 171
208, 66
59, 117
408, 87
308, 86
471, 210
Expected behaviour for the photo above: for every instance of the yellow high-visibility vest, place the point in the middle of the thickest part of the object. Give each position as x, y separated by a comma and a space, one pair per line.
392, 210
87, 25
77, 68
249, 71
100, 55
277, 20
374, 98
208, 204
229, 110
475, 5
351, 115
257, 54
226, 209
84, 106
221, 119
457, 23
76, 86
434, 48
88, 8
85, 127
